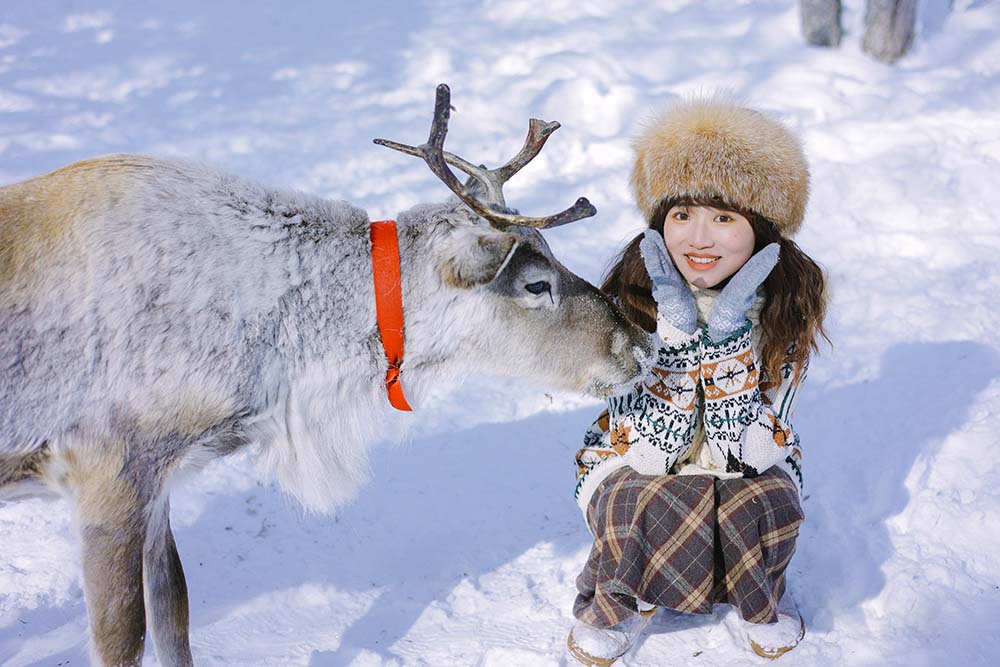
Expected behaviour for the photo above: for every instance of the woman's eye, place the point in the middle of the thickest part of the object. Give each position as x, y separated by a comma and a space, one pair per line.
723, 218
538, 288
680, 216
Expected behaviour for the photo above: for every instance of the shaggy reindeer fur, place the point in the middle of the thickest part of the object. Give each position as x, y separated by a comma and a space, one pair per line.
157, 314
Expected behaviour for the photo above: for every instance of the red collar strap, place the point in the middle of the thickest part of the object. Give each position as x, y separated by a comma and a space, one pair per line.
389, 305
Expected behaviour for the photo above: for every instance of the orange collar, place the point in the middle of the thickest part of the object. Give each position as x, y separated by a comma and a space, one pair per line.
389, 305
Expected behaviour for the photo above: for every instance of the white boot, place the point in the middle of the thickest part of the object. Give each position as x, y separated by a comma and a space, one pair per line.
773, 640
600, 647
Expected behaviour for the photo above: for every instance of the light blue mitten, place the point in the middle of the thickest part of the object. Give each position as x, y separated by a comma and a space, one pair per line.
674, 302
729, 312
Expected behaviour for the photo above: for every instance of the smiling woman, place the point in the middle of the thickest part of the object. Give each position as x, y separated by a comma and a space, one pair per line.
689, 480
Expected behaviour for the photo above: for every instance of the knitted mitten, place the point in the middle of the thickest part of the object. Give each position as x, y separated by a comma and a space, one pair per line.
729, 311
677, 314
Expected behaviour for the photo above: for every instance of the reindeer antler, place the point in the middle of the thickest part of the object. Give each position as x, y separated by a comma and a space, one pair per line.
437, 159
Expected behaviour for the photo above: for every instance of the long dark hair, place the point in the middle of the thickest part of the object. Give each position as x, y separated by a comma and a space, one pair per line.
795, 291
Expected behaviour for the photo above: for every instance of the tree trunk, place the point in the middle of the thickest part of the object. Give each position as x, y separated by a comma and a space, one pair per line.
820, 22
889, 26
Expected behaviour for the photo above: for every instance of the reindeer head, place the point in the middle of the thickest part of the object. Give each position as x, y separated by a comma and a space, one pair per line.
514, 309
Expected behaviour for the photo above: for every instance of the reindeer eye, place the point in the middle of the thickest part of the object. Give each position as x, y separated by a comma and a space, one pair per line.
539, 287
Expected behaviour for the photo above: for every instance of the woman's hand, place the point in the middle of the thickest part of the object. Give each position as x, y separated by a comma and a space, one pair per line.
674, 302
729, 312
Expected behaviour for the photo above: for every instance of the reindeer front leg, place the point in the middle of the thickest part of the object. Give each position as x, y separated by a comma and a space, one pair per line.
166, 590
113, 529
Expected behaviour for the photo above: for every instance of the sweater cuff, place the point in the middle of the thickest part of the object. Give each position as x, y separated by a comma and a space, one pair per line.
730, 340
672, 336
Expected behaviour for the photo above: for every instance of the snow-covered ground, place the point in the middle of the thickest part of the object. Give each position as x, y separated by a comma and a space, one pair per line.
463, 548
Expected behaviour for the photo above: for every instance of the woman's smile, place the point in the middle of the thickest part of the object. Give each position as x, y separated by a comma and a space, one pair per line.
702, 262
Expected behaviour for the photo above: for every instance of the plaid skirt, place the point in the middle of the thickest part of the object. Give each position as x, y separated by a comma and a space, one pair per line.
687, 541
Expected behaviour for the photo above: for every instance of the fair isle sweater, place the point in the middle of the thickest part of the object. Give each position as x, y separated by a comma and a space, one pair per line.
697, 410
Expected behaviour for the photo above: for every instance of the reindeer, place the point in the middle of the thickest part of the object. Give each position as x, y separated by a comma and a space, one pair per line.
156, 314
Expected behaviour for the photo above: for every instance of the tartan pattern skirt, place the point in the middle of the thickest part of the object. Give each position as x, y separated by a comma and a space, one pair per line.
685, 542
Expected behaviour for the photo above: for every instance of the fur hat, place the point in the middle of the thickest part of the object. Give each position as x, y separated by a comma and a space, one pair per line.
714, 148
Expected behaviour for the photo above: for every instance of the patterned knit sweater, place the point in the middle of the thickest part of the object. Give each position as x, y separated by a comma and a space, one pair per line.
697, 410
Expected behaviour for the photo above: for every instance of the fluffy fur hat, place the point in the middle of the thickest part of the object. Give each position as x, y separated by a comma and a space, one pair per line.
714, 148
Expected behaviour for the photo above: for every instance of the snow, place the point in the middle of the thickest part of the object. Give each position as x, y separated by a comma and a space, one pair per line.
464, 547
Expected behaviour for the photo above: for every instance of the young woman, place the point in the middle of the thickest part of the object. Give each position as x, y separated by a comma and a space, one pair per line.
690, 480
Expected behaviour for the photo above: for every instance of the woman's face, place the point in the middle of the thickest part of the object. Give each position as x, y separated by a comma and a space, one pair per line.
707, 244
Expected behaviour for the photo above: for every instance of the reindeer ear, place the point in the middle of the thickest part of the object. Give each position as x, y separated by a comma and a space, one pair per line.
475, 258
